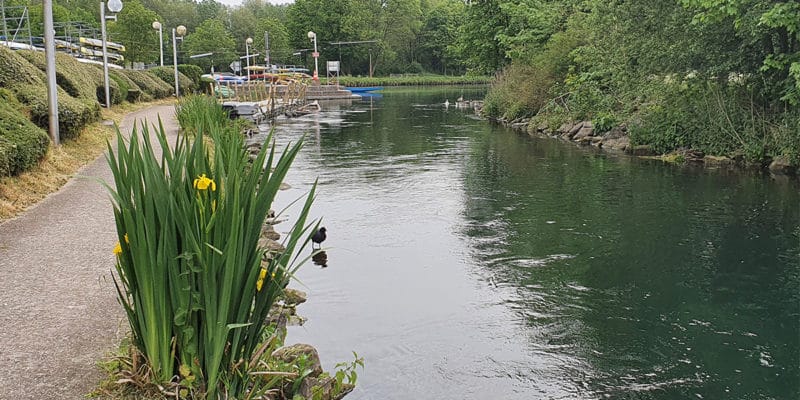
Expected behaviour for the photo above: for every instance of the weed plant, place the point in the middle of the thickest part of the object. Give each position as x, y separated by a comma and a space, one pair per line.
189, 268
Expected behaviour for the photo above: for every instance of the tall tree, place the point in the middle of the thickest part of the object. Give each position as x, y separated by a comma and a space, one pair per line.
133, 28
211, 37
479, 44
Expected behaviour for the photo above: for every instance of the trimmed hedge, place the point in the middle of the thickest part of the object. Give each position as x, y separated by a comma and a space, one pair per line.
167, 74
149, 83
192, 72
16, 70
22, 144
82, 81
73, 114
27, 82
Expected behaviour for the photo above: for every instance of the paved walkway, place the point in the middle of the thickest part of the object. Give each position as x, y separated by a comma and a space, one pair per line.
58, 309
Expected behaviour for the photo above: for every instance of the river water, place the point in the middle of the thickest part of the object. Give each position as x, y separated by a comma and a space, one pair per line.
466, 261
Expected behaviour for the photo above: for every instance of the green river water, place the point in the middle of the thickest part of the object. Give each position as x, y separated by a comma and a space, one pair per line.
467, 261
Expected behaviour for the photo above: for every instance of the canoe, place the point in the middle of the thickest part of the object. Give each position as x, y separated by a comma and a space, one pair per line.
364, 89
89, 52
99, 43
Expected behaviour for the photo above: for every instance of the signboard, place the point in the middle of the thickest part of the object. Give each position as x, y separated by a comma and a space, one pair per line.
333, 66
315, 54
236, 66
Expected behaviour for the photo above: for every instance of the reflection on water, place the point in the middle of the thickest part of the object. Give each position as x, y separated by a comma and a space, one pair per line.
475, 263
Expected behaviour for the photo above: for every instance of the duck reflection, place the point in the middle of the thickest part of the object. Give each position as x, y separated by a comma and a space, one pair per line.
320, 258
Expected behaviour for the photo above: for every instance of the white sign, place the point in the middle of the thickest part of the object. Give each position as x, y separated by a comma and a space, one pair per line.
236, 66
333, 66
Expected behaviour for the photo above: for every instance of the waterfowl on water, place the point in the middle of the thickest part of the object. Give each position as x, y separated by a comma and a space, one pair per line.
318, 237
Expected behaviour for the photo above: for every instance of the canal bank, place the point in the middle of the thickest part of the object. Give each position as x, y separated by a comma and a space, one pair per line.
617, 139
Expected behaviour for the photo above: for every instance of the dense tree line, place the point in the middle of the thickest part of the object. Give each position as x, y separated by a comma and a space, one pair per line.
721, 76
391, 36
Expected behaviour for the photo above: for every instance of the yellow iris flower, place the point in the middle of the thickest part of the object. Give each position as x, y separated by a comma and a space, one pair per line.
203, 182
261, 275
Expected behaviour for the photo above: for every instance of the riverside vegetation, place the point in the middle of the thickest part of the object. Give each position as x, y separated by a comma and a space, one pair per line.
697, 77
192, 274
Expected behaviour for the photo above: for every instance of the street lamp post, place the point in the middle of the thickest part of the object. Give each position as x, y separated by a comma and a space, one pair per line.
180, 30
114, 6
247, 44
157, 26
313, 36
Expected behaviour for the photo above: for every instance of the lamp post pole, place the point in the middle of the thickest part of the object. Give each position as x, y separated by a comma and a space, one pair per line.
157, 25
114, 6
247, 44
313, 36
105, 55
180, 30
50, 55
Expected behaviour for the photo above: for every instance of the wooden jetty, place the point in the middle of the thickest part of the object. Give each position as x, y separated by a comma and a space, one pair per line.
290, 98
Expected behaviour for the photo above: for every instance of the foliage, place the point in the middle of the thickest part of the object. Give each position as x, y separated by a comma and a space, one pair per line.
133, 27
149, 83
167, 74
190, 271
192, 72
712, 75
73, 114
22, 144
84, 81
130, 90
478, 42
211, 37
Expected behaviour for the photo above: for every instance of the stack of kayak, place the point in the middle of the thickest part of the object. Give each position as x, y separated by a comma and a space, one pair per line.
93, 49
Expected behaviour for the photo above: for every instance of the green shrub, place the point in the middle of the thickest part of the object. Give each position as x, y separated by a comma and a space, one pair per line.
190, 273
73, 114
167, 74
80, 80
192, 72
149, 84
132, 92
22, 144
519, 91
15, 70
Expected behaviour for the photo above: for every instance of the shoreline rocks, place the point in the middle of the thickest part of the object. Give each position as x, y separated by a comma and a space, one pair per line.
618, 140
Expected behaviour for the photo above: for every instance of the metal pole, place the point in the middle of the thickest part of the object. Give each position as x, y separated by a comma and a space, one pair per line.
316, 56
50, 55
105, 55
266, 44
247, 56
161, 43
175, 62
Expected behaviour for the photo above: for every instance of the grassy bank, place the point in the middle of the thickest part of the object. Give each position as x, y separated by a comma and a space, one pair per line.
412, 80
59, 164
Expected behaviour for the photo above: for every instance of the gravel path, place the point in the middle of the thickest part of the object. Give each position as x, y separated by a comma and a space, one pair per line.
58, 309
